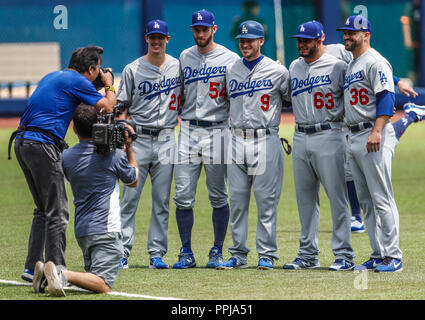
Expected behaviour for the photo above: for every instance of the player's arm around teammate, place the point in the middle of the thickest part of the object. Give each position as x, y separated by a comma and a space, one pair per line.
369, 103
151, 87
256, 86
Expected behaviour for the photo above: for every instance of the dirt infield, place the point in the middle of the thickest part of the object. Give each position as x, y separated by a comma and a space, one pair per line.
286, 117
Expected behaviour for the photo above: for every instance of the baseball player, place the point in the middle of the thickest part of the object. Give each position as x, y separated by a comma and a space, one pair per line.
203, 136
317, 96
256, 86
338, 50
151, 86
369, 103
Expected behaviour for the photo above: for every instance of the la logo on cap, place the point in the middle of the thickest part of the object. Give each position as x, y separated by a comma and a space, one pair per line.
302, 29
347, 21
244, 29
156, 25
199, 16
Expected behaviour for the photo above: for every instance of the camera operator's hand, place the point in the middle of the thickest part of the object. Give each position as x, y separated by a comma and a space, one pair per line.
107, 77
128, 133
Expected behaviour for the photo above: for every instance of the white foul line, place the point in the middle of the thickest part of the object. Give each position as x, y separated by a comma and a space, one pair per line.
113, 293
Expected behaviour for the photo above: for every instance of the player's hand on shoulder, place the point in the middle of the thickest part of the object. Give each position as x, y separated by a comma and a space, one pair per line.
405, 89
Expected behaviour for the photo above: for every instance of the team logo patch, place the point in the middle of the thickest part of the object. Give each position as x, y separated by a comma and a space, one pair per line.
156, 25
244, 29
199, 16
382, 78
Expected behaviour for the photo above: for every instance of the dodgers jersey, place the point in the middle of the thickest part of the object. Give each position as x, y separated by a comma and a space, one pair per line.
338, 50
317, 90
204, 83
153, 92
366, 76
256, 95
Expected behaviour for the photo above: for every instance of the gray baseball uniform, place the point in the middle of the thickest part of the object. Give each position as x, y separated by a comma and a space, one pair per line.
366, 76
319, 153
257, 157
204, 129
154, 95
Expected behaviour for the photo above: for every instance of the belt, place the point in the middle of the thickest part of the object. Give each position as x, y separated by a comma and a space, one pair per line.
250, 133
313, 128
361, 126
202, 123
152, 133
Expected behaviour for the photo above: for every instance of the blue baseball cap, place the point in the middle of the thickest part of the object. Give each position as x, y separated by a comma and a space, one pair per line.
203, 18
250, 30
309, 30
356, 23
157, 26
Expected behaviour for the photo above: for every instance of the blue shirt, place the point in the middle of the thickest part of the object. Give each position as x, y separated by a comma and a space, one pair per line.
95, 186
53, 103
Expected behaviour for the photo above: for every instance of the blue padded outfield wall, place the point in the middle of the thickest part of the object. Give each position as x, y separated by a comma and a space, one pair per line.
118, 26
111, 24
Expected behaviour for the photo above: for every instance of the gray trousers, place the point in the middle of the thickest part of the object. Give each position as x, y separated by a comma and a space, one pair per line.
372, 178
258, 164
319, 158
201, 147
42, 167
155, 157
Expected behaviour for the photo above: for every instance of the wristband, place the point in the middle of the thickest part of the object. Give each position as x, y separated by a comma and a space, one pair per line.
110, 88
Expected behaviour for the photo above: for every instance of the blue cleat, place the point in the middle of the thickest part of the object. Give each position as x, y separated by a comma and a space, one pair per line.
186, 259
265, 263
157, 263
300, 264
341, 265
370, 264
28, 275
216, 257
415, 111
357, 226
123, 264
390, 265
232, 263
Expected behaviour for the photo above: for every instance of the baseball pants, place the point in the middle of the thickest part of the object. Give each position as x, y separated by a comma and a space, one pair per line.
372, 178
319, 158
154, 157
258, 164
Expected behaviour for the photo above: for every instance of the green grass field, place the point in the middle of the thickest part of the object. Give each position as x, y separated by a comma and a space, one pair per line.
247, 284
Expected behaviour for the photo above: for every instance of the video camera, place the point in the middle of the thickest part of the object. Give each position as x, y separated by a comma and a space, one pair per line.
109, 134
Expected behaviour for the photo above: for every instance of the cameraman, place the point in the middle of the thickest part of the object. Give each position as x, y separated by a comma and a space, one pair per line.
94, 180
40, 142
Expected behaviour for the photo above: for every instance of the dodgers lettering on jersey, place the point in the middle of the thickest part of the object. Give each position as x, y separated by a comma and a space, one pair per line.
154, 93
366, 76
204, 83
317, 90
256, 95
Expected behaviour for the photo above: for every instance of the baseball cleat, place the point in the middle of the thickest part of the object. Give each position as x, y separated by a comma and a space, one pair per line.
55, 280
39, 281
216, 257
265, 263
232, 263
370, 264
157, 263
28, 275
301, 264
357, 226
390, 265
418, 111
123, 264
341, 265
186, 259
